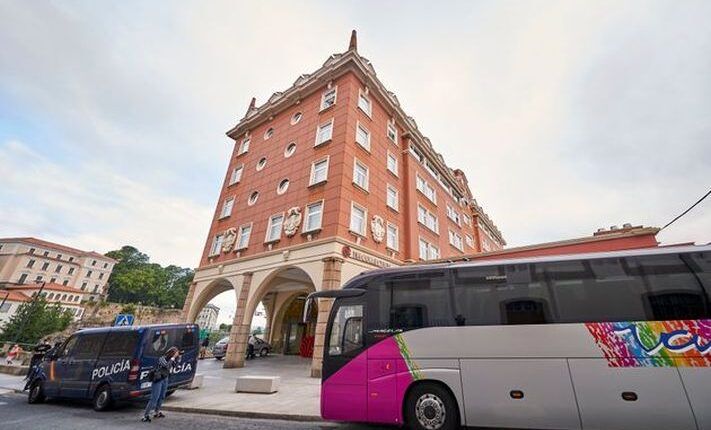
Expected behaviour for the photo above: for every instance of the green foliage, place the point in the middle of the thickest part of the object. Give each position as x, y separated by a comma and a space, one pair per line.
34, 320
136, 280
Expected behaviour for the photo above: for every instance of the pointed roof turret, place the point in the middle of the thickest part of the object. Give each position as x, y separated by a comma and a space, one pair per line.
353, 45
252, 106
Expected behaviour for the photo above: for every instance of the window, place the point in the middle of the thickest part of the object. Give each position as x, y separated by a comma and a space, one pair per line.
391, 197
120, 344
93, 263
227, 207
346, 335
58, 269
243, 147
314, 214
106, 265
88, 346
5, 307
296, 118
31, 251
215, 250
456, 240
71, 271
364, 103
243, 236
45, 266
22, 279
52, 280
428, 251
469, 240
160, 340
392, 239
101, 276
71, 259
359, 218
46, 254
269, 133
360, 175
290, 150
38, 278
66, 282
392, 133
427, 218
467, 219
30, 264
253, 198
59, 256
319, 171
324, 132
425, 188
88, 274
362, 136
328, 98
236, 175
261, 163
274, 228
283, 186
83, 285
392, 164
453, 215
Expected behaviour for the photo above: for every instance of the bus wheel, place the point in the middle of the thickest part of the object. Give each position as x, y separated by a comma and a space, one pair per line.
431, 407
102, 398
36, 394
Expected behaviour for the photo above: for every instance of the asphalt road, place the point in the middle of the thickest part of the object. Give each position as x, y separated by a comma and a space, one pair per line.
16, 414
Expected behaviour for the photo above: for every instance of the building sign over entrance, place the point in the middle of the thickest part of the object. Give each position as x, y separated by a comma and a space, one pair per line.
348, 252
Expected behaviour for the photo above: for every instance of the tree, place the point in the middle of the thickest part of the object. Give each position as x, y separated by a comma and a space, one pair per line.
34, 320
136, 280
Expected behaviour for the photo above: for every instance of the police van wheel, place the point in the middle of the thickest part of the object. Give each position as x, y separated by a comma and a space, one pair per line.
36, 394
431, 407
102, 398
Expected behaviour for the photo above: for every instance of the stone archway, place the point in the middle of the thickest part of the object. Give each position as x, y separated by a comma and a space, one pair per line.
279, 285
202, 294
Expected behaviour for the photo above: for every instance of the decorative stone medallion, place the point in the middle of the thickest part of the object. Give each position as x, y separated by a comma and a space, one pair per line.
228, 242
377, 227
292, 221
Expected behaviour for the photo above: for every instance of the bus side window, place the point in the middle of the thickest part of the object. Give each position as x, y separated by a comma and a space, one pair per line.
421, 300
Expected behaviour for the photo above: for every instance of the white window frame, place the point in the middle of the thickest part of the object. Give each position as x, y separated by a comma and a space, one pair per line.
334, 90
469, 240
239, 245
215, 249
234, 177
455, 239
429, 217
312, 176
453, 215
318, 133
467, 219
244, 146
365, 145
393, 157
391, 127
396, 245
270, 224
307, 214
363, 96
422, 243
231, 201
425, 188
356, 163
388, 189
364, 231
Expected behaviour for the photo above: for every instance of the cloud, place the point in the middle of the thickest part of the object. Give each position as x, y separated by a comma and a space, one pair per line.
93, 208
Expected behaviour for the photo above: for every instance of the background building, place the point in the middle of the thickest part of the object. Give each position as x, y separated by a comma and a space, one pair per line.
66, 275
207, 319
327, 179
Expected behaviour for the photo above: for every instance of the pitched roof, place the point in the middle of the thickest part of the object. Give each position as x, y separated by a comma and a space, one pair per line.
53, 245
13, 296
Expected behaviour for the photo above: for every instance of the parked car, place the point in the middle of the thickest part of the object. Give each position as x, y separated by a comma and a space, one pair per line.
261, 348
110, 364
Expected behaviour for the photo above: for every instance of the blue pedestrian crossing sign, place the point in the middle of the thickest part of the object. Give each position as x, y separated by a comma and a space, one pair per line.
123, 320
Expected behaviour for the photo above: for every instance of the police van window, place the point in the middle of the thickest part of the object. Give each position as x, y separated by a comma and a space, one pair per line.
67, 347
159, 341
120, 344
189, 339
88, 346
420, 300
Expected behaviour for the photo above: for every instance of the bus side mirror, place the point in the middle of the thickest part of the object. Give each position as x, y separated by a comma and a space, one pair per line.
307, 310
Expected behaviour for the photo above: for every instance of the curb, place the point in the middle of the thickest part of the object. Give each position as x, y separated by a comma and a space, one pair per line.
244, 414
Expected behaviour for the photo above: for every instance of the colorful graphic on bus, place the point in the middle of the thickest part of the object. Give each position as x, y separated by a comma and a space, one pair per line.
684, 343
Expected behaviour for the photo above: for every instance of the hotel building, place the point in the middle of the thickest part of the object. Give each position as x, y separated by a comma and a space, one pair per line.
327, 179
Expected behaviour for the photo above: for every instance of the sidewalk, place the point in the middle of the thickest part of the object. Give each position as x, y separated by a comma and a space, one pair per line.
10, 383
298, 397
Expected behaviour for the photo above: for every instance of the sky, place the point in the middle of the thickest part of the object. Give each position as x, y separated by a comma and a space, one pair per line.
566, 116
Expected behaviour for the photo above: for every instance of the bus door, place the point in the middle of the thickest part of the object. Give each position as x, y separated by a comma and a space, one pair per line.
76, 369
345, 364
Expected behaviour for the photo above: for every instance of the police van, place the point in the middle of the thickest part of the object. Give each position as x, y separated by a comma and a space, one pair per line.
111, 364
